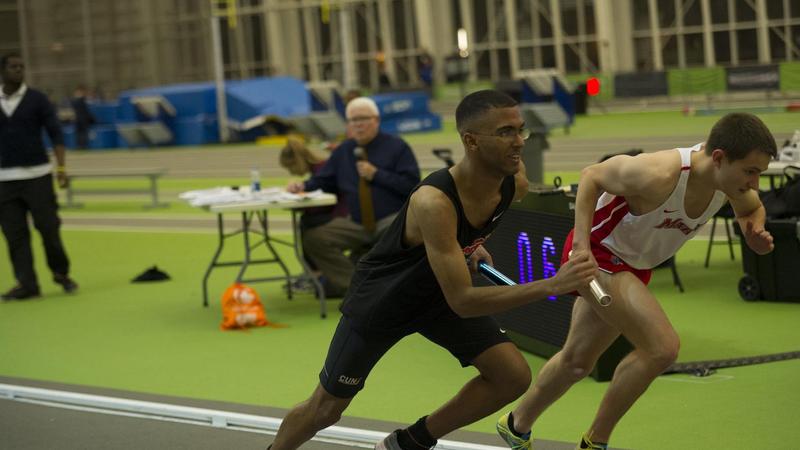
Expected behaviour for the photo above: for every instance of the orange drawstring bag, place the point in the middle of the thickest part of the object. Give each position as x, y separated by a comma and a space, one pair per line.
242, 308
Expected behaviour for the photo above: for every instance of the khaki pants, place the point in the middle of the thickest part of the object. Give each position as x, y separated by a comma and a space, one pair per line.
325, 246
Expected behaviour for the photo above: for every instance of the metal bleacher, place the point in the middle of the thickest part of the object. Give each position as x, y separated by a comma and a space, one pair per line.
154, 132
327, 125
145, 133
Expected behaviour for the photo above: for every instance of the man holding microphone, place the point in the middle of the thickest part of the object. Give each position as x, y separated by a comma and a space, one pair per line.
374, 172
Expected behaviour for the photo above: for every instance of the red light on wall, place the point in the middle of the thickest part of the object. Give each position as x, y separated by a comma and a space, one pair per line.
592, 86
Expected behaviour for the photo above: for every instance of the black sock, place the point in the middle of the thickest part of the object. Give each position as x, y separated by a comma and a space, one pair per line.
416, 436
511, 426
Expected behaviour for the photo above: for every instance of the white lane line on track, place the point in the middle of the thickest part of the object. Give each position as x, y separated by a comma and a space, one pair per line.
199, 416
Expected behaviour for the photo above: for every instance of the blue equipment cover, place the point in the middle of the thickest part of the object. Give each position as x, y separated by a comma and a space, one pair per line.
418, 122
278, 96
401, 104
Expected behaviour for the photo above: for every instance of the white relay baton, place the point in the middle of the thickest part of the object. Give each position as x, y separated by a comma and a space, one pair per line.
597, 291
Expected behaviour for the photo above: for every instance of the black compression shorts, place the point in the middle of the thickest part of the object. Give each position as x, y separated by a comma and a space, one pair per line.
354, 352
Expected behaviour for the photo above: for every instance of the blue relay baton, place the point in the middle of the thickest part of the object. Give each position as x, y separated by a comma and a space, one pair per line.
494, 275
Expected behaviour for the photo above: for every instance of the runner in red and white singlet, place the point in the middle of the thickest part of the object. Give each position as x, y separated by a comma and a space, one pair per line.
631, 214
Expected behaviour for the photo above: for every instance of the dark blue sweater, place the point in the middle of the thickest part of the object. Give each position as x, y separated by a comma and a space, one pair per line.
397, 175
21, 143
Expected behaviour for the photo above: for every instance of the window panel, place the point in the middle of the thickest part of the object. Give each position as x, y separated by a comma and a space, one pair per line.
589, 17
503, 64
669, 51
481, 22
523, 19
484, 64
9, 30
775, 9
777, 46
363, 74
748, 46
398, 13
666, 13
326, 34
641, 15
501, 30
359, 24
455, 5
525, 55
795, 31
643, 51
545, 26
694, 14
722, 47
572, 60
258, 40
744, 12
693, 43
569, 18
548, 56
592, 55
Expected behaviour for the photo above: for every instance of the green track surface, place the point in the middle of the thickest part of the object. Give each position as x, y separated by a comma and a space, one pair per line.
157, 338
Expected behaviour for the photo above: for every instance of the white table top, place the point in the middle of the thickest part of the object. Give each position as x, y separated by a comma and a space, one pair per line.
324, 199
226, 199
776, 167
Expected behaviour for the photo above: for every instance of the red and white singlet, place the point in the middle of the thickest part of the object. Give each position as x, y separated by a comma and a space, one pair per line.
645, 241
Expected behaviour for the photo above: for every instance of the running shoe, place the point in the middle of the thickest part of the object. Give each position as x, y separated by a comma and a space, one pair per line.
514, 442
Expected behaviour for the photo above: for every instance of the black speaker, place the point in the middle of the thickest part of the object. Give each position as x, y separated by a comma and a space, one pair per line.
527, 246
774, 276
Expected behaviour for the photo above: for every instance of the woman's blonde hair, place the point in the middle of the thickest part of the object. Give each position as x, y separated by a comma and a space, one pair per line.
297, 158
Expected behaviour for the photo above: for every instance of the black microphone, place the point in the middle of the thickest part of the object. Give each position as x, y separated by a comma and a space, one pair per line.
360, 153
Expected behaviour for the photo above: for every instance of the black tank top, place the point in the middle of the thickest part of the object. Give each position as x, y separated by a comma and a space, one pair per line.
393, 288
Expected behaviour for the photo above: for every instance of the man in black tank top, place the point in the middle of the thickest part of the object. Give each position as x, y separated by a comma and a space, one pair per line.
415, 280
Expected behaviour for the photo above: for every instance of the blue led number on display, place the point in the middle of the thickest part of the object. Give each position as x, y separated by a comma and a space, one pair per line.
525, 261
548, 268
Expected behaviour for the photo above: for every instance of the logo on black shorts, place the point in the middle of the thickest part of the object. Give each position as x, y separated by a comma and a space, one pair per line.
349, 380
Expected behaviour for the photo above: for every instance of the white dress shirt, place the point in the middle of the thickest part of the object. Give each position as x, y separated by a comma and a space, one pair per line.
10, 102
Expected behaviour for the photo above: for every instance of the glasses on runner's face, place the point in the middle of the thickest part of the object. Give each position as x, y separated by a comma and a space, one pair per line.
509, 134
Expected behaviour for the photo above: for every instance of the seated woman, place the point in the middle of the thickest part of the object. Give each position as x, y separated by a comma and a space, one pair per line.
301, 161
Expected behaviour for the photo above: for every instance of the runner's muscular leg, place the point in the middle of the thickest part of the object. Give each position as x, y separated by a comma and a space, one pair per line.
504, 376
589, 336
303, 421
640, 318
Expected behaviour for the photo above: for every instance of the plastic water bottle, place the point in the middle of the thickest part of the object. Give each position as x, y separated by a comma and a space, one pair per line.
255, 180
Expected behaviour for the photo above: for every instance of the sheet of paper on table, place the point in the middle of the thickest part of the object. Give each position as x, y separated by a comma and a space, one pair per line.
224, 195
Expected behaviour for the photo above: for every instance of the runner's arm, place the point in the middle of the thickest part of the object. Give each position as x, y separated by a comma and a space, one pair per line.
621, 175
435, 216
752, 216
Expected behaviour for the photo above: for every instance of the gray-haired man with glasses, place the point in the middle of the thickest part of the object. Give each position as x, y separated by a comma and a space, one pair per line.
374, 173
